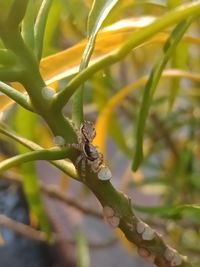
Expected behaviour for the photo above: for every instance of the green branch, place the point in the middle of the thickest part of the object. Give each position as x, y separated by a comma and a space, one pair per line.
118, 212
140, 36
65, 166
15, 95
35, 85
51, 154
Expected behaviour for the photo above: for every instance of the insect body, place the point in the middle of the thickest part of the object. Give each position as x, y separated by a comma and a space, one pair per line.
90, 151
89, 154
88, 131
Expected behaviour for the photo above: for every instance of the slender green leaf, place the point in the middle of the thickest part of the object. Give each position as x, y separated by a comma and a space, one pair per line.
179, 61
151, 86
82, 250
51, 27
99, 11
118, 136
28, 24
40, 25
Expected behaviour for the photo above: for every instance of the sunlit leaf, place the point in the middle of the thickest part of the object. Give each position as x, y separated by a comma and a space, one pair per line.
66, 63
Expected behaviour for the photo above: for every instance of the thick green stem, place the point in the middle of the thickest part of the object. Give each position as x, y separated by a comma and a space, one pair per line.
18, 97
52, 154
118, 211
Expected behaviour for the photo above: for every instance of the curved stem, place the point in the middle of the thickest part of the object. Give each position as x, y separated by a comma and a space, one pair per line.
18, 97
65, 166
51, 154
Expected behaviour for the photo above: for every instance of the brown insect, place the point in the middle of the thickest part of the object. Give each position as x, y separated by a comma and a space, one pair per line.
89, 154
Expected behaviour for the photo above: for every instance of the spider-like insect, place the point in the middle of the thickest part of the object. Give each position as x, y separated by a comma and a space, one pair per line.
89, 154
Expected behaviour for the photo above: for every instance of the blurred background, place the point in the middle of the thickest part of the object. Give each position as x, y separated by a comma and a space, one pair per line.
164, 190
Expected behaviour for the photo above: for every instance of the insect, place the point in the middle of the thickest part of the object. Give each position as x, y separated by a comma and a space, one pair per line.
89, 155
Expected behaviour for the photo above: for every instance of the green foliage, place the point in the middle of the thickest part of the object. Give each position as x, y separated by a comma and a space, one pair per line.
151, 85
158, 124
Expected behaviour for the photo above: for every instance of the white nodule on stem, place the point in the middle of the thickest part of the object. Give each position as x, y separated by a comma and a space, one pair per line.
143, 252
59, 140
148, 234
110, 216
151, 258
130, 226
113, 221
140, 227
176, 261
169, 254
47, 92
104, 174
108, 211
